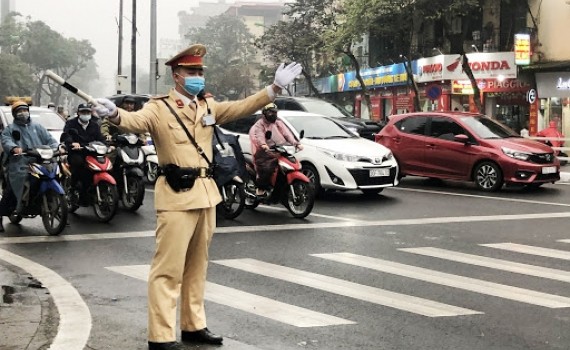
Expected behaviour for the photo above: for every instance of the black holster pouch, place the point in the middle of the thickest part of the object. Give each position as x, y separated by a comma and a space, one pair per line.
179, 178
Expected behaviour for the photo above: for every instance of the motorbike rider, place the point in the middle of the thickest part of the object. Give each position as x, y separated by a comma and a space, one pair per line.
19, 136
265, 161
85, 130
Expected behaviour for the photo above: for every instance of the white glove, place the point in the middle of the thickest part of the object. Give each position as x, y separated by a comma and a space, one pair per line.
285, 75
105, 108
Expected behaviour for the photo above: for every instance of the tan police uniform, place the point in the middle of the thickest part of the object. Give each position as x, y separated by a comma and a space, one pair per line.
185, 220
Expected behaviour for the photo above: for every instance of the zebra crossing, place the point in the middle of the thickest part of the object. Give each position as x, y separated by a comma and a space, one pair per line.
303, 317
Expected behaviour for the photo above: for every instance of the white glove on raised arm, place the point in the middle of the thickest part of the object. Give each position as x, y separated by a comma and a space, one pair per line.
105, 108
286, 74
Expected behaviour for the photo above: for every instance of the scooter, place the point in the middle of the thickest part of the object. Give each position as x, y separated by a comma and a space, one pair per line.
290, 186
229, 174
43, 195
150, 161
128, 170
102, 191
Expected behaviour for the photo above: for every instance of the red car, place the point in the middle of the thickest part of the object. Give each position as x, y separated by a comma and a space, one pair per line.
467, 147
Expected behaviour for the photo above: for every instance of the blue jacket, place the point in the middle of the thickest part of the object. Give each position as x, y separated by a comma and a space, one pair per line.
31, 135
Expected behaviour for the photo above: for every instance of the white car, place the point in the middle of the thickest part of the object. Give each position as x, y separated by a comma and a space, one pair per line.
333, 157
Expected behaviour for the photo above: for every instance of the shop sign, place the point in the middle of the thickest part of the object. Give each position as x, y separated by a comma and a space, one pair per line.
484, 65
429, 69
522, 49
531, 96
507, 85
464, 87
553, 84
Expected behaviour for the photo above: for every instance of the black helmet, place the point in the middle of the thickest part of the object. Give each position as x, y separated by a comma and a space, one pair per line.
269, 107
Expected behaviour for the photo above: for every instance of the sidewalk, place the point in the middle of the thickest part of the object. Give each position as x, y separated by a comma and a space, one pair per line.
24, 311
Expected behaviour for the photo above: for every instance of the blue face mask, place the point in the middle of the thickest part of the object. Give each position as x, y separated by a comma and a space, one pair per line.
194, 84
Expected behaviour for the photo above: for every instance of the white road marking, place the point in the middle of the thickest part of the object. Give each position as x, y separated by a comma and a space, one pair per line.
349, 289
466, 283
304, 226
74, 316
564, 240
481, 196
498, 264
251, 303
527, 249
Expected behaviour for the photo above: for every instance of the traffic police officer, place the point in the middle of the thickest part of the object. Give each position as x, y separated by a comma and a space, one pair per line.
186, 197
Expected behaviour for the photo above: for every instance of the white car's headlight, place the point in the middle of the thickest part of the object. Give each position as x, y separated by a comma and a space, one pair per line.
388, 156
516, 154
340, 156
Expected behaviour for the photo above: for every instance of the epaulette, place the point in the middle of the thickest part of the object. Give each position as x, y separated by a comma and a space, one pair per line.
159, 97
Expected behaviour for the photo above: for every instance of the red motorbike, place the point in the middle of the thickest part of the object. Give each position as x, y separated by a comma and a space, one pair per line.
102, 191
290, 186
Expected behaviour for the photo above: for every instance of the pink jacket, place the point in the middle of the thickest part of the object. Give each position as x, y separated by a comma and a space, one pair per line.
280, 134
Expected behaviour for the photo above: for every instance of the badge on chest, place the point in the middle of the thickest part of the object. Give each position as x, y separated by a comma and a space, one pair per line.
208, 120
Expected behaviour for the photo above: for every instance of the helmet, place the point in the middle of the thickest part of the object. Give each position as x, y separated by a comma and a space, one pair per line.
18, 105
268, 107
83, 107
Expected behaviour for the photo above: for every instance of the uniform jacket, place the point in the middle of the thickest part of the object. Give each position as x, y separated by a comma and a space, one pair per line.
173, 146
31, 135
84, 136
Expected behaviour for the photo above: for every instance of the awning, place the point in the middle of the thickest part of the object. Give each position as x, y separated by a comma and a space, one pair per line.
548, 66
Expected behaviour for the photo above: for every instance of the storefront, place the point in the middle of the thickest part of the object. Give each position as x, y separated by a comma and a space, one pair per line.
553, 90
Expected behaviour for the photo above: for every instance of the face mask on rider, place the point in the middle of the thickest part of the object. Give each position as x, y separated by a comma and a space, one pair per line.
85, 117
271, 117
22, 117
193, 84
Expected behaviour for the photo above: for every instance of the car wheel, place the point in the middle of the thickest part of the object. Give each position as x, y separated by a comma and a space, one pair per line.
311, 172
488, 177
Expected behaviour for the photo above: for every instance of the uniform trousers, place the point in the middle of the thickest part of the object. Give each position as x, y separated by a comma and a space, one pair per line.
178, 269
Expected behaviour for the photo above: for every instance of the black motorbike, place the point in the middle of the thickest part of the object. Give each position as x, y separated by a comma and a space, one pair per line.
128, 170
229, 174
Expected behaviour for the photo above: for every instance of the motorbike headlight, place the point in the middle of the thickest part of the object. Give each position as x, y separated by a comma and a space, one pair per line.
45, 153
340, 156
520, 155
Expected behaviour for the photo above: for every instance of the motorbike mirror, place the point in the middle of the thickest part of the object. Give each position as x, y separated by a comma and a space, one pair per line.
16, 135
302, 134
268, 134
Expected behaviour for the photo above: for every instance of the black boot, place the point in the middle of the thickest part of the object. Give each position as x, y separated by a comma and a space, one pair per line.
165, 346
1, 225
203, 336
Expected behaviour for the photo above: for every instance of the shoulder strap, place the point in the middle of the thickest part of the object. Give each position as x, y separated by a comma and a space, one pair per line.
198, 148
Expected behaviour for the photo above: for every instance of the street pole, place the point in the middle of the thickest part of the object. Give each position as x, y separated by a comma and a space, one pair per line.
134, 50
153, 73
120, 58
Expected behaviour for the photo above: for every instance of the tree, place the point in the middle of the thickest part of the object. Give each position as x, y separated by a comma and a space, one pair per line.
15, 77
231, 55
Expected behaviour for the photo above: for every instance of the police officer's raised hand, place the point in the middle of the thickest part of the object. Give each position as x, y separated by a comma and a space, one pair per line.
105, 108
286, 74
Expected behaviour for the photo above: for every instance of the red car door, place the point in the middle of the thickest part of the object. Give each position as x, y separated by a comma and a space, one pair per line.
407, 142
445, 157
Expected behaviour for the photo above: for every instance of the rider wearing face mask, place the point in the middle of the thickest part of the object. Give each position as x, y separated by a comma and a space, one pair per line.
86, 130
266, 161
18, 137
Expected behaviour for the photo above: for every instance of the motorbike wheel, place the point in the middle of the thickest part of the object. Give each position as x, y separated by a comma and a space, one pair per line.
151, 172
54, 216
15, 218
302, 205
106, 209
133, 197
71, 195
251, 202
233, 201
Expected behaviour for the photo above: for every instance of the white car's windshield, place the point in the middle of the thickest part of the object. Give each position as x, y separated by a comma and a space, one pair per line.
325, 108
318, 127
487, 128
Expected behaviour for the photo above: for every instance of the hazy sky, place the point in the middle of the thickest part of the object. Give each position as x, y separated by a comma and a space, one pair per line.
97, 21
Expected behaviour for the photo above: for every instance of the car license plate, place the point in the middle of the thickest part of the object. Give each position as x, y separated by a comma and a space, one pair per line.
549, 170
379, 172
